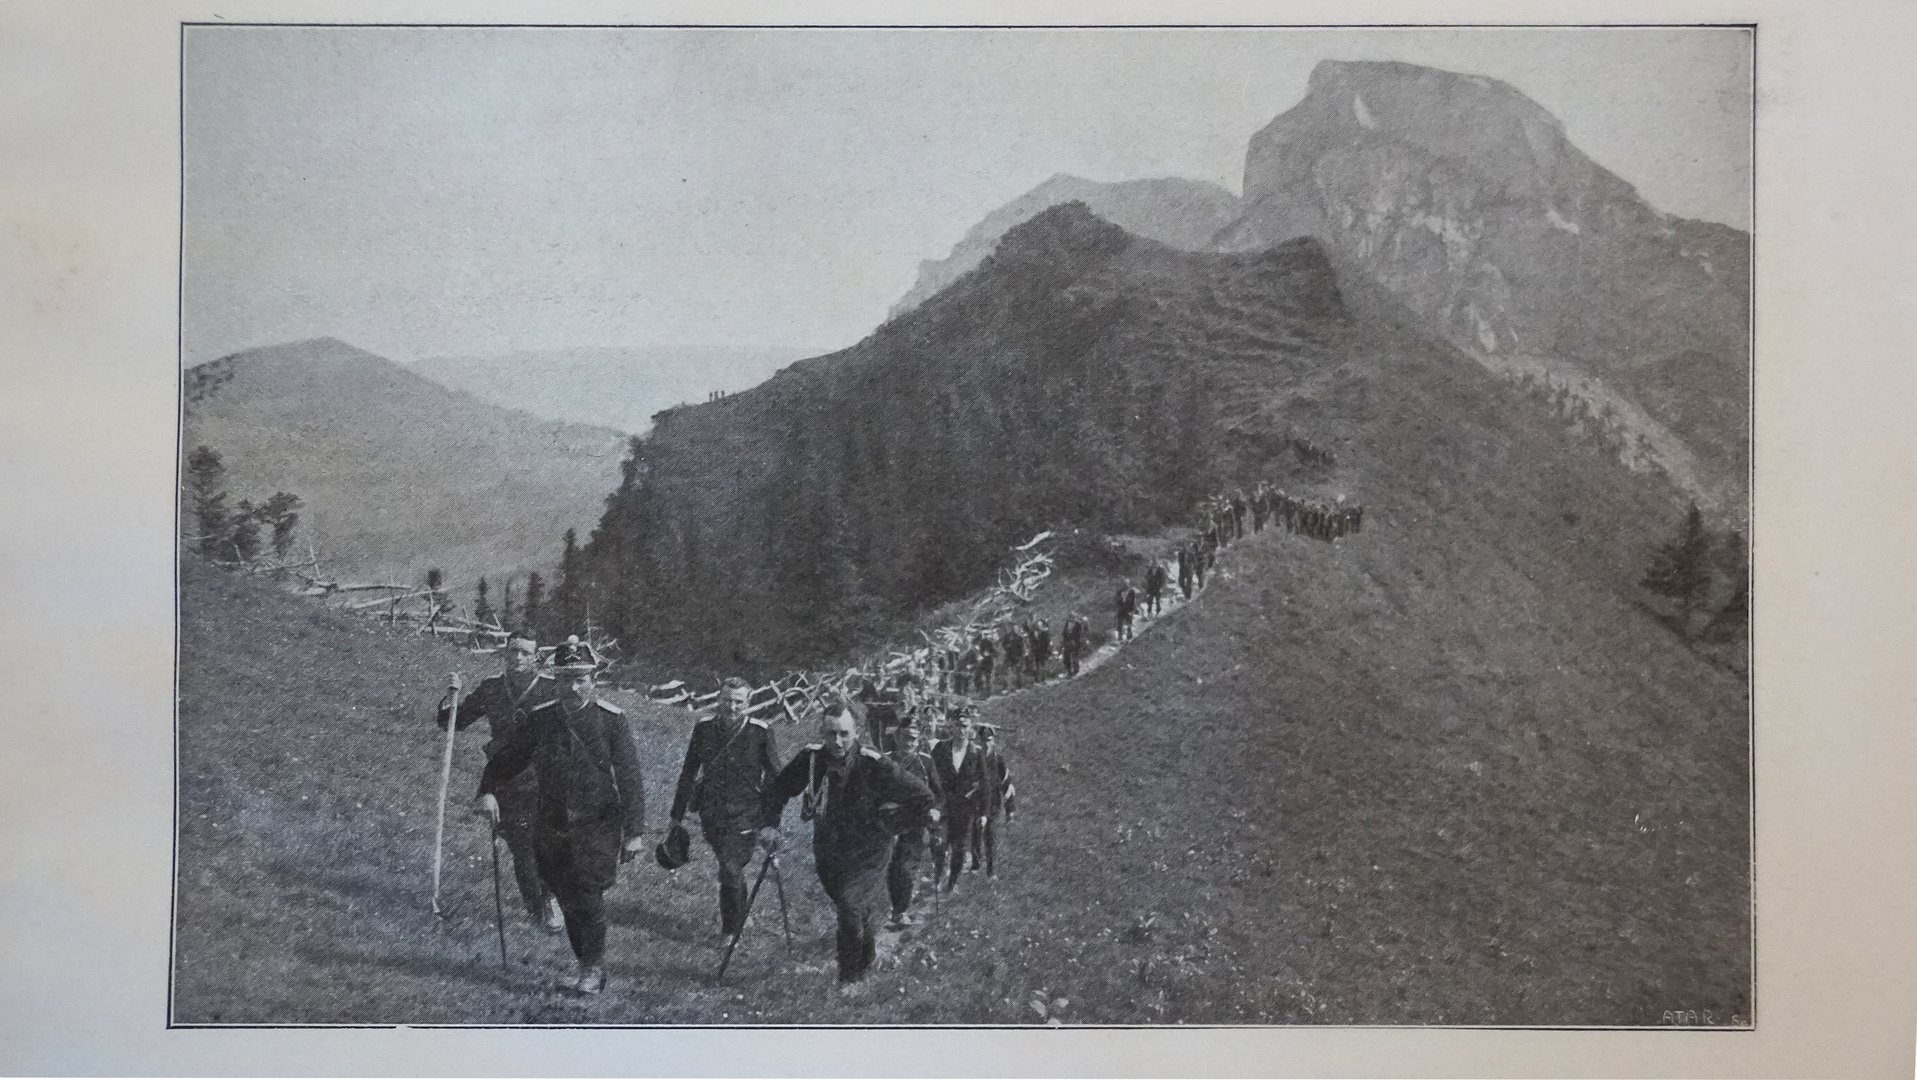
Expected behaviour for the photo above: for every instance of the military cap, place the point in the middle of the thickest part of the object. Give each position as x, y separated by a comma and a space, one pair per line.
574, 655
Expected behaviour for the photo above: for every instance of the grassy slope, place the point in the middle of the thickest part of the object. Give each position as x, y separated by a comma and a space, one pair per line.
1406, 779
1446, 771
308, 771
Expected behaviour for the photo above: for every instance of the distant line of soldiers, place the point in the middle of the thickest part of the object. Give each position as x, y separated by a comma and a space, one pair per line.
1222, 517
562, 786
1017, 652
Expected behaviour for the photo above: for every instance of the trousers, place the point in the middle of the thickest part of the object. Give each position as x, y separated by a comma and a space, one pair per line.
585, 910
857, 890
902, 873
733, 850
518, 804
961, 837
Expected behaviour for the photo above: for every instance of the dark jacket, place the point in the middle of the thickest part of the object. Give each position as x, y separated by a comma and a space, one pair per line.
860, 804
919, 764
1000, 794
964, 786
504, 700
726, 771
591, 797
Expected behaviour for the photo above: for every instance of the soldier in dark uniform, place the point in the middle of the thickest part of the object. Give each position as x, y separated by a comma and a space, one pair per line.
908, 856
1154, 585
1184, 570
858, 801
987, 664
1238, 514
729, 761
962, 669
1072, 643
1127, 608
1001, 797
504, 700
592, 804
961, 773
1014, 656
878, 705
1041, 648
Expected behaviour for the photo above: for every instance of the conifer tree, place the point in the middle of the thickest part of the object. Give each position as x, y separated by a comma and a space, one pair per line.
535, 599
246, 530
280, 512
566, 596
206, 489
1681, 568
482, 608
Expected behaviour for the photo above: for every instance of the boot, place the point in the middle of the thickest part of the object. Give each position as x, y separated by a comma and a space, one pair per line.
555, 918
591, 980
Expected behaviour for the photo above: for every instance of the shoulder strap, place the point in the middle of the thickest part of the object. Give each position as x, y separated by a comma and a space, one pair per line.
727, 745
522, 695
597, 762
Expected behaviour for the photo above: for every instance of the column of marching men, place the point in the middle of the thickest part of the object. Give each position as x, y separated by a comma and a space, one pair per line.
893, 780
903, 774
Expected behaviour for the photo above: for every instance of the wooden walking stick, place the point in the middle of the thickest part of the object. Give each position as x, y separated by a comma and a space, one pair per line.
499, 903
445, 779
733, 942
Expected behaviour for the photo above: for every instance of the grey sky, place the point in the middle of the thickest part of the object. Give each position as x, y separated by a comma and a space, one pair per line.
430, 191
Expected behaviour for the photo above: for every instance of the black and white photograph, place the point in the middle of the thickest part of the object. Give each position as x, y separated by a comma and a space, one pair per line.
965, 526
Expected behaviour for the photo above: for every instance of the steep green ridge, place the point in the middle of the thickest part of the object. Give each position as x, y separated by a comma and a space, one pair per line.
1080, 377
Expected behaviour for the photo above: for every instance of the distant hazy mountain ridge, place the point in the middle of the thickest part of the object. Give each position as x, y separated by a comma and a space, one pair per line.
397, 472
618, 388
1182, 213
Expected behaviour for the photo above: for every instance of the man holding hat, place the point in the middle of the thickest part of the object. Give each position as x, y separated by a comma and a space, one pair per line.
505, 700
858, 801
729, 761
592, 805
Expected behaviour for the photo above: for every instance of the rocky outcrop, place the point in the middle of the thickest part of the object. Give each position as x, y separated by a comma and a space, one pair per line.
1466, 201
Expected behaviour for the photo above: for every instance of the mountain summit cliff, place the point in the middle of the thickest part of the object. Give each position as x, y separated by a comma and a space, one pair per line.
1466, 200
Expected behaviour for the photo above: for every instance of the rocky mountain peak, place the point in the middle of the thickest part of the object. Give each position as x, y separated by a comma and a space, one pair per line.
1511, 146
1466, 200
